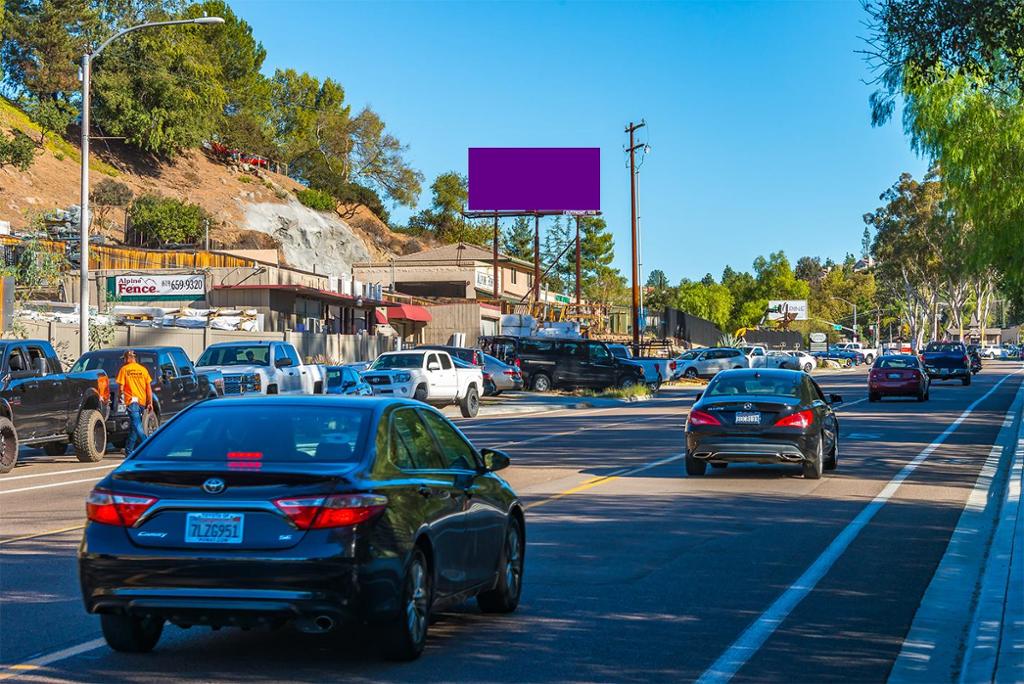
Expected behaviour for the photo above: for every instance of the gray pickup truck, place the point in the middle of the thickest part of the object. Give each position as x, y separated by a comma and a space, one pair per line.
42, 405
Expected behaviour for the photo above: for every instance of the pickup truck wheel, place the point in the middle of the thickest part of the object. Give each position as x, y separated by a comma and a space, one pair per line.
808, 367
869, 359
420, 394
90, 437
626, 381
470, 404
150, 422
541, 382
8, 445
55, 448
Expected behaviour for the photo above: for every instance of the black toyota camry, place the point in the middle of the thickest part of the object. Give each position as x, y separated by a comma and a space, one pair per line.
314, 511
763, 416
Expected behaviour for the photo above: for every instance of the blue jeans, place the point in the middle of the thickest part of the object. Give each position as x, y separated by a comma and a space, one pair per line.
136, 433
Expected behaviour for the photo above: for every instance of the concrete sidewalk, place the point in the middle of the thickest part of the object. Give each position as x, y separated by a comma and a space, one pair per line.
970, 625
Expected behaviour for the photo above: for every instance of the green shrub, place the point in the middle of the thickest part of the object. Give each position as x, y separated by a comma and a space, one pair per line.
244, 178
165, 220
316, 199
17, 150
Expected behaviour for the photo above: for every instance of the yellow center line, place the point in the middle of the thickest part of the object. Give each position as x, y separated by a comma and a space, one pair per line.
602, 479
41, 534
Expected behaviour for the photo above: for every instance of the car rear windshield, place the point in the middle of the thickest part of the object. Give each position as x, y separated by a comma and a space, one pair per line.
253, 434
241, 355
111, 362
948, 347
392, 361
334, 377
763, 385
896, 362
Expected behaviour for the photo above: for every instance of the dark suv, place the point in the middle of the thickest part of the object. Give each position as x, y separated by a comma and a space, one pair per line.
547, 363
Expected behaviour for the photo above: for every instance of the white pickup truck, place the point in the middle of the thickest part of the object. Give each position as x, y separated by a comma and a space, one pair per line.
262, 368
429, 376
869, 353
656, 370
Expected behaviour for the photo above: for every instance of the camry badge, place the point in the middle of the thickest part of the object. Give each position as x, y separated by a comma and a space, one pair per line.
214, 485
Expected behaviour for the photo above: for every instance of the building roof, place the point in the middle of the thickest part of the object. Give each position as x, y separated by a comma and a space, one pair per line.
458, 252
312, 293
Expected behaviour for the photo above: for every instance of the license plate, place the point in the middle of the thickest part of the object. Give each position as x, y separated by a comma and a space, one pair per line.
945, 371
748, 418
214, 528
894, 376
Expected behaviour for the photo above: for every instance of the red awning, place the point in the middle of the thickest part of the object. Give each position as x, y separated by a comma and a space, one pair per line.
380, 317
409, 312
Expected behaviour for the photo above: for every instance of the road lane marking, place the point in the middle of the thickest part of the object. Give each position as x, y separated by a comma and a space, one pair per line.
50, 658
52, 484
41, 534
602, 479
754, 636
61, 472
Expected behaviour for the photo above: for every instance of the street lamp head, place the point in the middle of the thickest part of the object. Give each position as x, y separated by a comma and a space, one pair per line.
208, 20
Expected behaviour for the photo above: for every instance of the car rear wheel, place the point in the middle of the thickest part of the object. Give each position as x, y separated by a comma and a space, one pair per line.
90, 438
808, 367
832, 462
470, 404
626, 381
694, 466
690, 374
55, 448
966, 380
814, 467
504, 598
131, 634
8, 445
541, 382
406, 634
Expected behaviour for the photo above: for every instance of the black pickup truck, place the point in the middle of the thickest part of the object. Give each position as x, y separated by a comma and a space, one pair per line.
947, 361
176, 385
42, 405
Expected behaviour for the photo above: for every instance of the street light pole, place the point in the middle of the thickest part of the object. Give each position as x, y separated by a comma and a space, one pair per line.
83, 215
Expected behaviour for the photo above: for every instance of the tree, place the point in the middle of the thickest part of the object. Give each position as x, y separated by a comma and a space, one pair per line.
657, 280
109, 194
518, 239
712, 302
558, 261
444, 218
808, 269
608, 288
165, 220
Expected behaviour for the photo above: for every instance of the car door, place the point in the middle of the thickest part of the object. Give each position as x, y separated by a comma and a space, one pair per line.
573, 367
485, 519
193, 387
431, 487
52, 391
602, 365
289, 380
298, 375
705, 363
824, 412
167, 386
23, 392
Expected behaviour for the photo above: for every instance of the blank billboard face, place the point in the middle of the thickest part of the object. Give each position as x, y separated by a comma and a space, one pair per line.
534, 179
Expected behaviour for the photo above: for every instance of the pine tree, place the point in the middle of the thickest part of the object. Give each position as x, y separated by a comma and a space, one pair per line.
518, 239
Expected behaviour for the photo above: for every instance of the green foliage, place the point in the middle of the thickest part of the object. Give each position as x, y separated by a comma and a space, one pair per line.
245, 178
518, 239
17, 150
444, 219
110, 194
657, 279
53, 116
37, 268
712, 302
316, 199
165, 220
559, 261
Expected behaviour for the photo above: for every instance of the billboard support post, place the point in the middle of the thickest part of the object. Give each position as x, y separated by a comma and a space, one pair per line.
495, 257
536, 258
631, 129
578, 260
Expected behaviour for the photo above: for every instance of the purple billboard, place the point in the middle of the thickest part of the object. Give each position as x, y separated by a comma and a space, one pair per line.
534, 179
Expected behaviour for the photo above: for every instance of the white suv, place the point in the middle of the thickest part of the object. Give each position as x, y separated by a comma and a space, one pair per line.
708, 362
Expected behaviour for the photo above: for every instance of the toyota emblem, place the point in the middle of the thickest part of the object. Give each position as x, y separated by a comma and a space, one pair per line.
214, 485
746, 407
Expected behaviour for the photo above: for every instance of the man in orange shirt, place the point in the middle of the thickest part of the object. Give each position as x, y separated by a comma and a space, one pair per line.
136, 385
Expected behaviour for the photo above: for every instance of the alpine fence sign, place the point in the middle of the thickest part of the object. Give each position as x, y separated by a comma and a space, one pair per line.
157, 287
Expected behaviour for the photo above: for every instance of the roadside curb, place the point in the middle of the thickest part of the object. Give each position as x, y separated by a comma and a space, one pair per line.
938, 644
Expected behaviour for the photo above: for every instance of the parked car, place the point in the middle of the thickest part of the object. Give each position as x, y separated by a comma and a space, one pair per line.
322, 512
756, 355
262, 368
176, 385
763, 416
42, 405
346, 381
846, 357
793, 360
503, 376
428, 376
709, 362
548, 363
468, 354
898, 375
992, 351
869, 353
947, 361
656, 370
680, 362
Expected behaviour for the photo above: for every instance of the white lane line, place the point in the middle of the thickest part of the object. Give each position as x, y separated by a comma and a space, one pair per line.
48, 486
754, 636
20, 669
542, 438
73, 471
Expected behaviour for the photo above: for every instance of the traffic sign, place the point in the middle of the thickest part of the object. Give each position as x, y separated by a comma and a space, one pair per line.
836, 326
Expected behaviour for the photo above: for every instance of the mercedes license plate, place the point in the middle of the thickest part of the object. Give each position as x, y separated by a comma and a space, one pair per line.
214, 528
748, 418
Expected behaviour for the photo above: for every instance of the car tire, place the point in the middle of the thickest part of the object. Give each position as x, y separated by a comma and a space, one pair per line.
808, 367
868, 360
129, 634
504, 597
814, 467
626, 381
405, 635
832, 462
55, 448
470, 404
420, 394
719, 466
873, 397
694, 466
966, 381
90, 437
540, 382
690, 374
8, 445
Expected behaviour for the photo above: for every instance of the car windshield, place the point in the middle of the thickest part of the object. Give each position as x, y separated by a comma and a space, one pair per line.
896, 362
947, 347
235, 355
754, 384
111, 362
247, 436
689, 356
392, 361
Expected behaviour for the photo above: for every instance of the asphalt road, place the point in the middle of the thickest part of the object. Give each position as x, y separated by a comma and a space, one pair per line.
634, 572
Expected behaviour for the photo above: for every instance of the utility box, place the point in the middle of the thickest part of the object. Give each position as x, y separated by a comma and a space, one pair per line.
6, 303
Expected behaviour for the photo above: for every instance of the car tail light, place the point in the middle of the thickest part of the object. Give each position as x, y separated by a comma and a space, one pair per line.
103, 387
698, 417
803, 419
509, 371
111, 508
515, 362
671, 365
337, 510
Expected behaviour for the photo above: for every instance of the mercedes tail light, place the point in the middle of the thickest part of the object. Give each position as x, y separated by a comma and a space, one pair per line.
336, 510
698, 417
111, 508
803, 419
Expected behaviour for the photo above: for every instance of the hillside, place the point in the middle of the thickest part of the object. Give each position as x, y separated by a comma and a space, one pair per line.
252, 208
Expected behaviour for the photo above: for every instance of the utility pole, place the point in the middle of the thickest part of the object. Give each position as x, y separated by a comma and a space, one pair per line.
495, 255
579, 261
536, 258
633, 147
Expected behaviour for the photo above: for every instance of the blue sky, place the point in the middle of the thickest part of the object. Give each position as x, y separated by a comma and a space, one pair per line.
757, 112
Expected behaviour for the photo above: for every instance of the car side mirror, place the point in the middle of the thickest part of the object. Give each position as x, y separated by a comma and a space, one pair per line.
494, 459
433, 366
699, 395
835, 399
283, 362
40, 367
